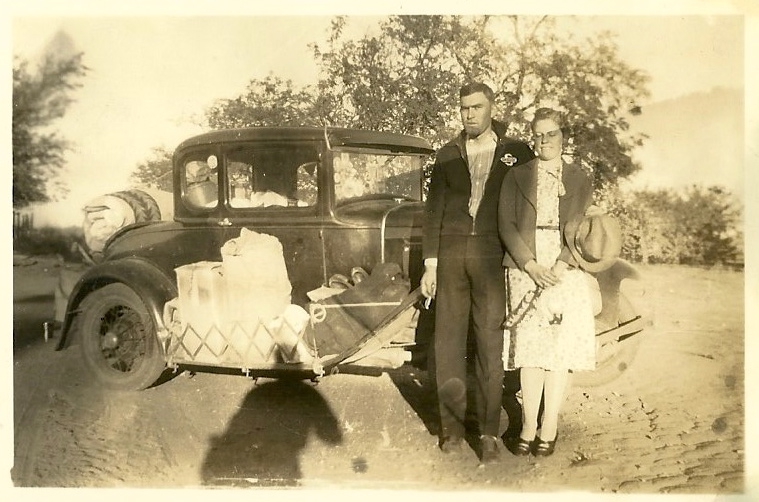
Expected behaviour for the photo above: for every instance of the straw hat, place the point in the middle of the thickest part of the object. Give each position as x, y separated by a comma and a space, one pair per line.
595, 241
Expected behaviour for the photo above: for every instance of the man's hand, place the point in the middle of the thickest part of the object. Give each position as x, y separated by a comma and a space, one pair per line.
594, 211
543, 276
429, 281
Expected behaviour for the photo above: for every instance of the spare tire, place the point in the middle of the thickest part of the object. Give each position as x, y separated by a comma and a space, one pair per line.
107, 214
144, 206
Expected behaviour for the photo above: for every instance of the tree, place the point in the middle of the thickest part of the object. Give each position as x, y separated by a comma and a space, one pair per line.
709, 217
586, 79
394, 81
649, 230
156, 171
39, 99
406, 78
271, 101
697, 226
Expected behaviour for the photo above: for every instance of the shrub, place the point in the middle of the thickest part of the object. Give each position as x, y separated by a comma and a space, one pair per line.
695, 226
49, 241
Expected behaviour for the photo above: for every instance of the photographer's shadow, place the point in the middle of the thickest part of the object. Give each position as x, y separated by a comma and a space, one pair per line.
262, 444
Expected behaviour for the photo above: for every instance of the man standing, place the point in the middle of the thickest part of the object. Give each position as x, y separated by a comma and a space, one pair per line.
463, 266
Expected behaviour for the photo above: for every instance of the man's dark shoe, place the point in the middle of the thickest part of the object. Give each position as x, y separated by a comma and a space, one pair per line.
511, 434
488, 449
451, 444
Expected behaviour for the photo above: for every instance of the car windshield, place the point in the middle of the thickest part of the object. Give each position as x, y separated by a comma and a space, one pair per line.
377, 174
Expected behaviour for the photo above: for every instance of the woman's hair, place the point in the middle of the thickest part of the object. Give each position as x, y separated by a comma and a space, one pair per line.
550, 114
555, 115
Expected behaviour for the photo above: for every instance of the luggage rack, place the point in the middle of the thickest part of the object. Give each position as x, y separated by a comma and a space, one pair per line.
247, 345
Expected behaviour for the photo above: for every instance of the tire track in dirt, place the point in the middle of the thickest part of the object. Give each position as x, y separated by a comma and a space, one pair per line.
690, 379
673, 423
88, 436
641, 449
676, 420
28, 422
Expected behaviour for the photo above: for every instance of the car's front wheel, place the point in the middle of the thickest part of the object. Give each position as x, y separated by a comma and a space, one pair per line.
118, 340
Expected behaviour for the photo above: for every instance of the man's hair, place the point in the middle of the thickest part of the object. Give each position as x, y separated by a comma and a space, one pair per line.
475, 87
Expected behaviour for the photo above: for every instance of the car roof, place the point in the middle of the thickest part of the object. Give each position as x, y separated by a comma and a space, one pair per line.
337, 137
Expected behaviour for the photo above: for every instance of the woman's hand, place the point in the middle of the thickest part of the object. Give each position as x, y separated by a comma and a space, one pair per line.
559, 268
544, 277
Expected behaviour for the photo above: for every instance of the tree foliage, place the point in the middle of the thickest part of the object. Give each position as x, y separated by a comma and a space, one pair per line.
405, 78
270, 101
156, 171
397, 81
39, 99
698, 226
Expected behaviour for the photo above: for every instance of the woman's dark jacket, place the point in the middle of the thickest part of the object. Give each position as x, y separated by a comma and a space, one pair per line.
517, 210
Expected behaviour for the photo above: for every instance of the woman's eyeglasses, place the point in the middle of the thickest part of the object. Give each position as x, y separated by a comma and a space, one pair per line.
550, 135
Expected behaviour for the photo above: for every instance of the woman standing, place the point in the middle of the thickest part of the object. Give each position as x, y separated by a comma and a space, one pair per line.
537, 201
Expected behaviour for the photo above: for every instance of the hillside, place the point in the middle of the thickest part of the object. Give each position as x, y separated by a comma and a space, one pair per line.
698, 138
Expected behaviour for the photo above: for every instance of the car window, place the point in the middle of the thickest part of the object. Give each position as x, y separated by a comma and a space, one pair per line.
200, 180
367, 173
272, 176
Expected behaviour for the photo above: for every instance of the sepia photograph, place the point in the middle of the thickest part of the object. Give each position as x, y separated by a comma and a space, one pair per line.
423, 251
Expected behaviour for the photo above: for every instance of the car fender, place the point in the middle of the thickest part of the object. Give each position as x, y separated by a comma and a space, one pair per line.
152, 285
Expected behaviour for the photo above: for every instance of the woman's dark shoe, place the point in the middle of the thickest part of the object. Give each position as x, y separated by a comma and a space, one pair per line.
520, 447
543, 448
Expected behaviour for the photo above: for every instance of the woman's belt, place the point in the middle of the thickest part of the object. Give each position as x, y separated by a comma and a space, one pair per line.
547, 227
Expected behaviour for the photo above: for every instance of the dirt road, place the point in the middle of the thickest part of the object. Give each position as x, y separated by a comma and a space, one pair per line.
673, 423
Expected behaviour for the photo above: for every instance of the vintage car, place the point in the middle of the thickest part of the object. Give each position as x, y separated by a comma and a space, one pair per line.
339, 201
346, 207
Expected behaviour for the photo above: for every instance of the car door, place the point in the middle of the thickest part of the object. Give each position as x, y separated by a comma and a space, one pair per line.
272, 187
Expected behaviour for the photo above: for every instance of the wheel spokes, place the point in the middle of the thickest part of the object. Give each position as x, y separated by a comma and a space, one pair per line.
122, 338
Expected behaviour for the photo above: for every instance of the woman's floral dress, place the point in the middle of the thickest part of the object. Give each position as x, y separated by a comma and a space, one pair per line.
559, 334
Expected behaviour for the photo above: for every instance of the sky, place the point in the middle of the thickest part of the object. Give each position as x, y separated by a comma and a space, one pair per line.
152, 72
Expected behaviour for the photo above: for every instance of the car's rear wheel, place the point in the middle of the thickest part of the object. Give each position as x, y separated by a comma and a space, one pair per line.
118, 340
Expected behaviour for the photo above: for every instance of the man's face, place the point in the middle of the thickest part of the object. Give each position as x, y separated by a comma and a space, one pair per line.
476, 112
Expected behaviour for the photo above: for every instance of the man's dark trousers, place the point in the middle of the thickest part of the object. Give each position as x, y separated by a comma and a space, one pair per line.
470, 280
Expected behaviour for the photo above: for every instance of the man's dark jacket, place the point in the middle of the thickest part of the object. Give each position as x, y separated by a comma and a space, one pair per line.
451, 185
